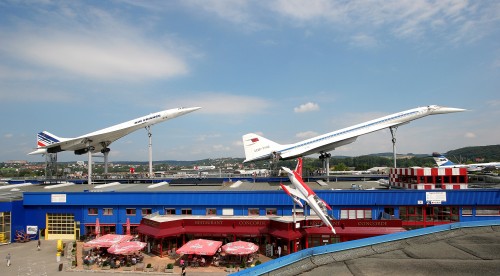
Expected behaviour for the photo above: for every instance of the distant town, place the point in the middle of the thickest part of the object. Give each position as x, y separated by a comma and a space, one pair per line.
312, 165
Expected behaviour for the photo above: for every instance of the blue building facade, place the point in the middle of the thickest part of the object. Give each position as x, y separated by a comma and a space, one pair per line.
70, 215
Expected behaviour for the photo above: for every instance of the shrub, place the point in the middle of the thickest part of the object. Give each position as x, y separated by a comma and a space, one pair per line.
149, 265
170, 266
258, 262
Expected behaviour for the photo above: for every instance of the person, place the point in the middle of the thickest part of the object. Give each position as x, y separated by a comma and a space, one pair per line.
8, 259
38, 244
279, 251
183, 272
203, 261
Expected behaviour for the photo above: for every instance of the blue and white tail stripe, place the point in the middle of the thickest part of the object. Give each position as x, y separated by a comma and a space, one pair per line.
441, 160
45, 138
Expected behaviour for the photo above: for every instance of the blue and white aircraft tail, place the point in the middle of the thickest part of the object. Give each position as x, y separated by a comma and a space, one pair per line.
443, 162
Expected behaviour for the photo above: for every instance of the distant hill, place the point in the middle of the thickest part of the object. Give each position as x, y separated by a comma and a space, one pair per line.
470, 154
462, 155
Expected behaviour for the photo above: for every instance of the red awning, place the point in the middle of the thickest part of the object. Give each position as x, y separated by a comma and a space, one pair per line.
126, 248
200, 247
107, 240
240, 248
160, 233
285, 234
367, 231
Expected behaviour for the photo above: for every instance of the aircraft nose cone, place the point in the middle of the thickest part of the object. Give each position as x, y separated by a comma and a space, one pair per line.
189, 109
444, 110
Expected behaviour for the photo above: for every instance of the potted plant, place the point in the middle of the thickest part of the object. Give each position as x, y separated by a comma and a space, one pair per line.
148, 268
106, 265
169, 268
128, 267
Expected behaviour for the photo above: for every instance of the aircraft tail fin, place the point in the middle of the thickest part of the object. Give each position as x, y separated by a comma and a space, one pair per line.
298, 168
46, 138
441, 160
257, 147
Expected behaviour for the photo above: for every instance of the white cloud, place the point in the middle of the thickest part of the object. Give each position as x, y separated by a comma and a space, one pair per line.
454, 20
470, 135
61, 42
307, 107
93, 55
224, 103
8, 135
306, 134
364, 41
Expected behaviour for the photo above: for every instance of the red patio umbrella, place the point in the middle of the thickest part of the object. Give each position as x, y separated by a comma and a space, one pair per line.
126, 248
200, 247
107, 240
240, 248
127, 227
97, 228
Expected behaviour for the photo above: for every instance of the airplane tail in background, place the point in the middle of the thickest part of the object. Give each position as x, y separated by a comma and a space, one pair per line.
298, 168
46, 138
257, 147
441, 160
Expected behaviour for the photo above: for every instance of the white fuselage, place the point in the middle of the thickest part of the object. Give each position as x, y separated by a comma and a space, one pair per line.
100, 139
310, 197
258, 148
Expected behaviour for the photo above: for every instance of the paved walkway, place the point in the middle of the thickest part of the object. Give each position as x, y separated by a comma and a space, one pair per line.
27, 260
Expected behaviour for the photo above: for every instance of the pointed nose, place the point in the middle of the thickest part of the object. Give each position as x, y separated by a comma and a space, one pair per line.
443, 109
186, 110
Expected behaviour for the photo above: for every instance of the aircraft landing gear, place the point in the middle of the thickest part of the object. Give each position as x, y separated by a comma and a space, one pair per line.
393, 134
325, 158
105, 151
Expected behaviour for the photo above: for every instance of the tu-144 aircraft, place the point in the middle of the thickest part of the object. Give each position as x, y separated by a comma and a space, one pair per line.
259, 148
301, 191
98, 141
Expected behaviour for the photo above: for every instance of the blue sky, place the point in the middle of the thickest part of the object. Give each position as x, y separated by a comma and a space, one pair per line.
287, 70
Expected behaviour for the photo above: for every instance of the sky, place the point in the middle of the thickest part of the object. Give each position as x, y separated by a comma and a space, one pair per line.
287, 70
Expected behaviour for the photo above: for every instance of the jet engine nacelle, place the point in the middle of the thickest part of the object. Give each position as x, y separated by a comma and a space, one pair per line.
81, 151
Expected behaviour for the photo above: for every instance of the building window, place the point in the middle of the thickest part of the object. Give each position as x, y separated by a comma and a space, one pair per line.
441, 213
130, 211
146, 211
60, 224
388, 213
227, 212
271, 212
411, 213
107, 211
253, 212
169, 211
487, 211
211, 212
467, 211
356, 214
5, 227
187, 211
92, 212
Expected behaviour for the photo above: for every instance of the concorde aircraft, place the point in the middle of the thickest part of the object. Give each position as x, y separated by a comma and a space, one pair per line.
98, 141
301, 191
259, 148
